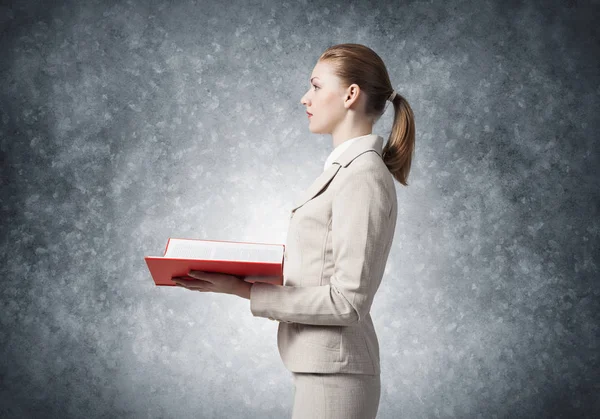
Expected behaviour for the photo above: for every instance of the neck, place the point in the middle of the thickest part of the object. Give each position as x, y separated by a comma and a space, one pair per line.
339, 138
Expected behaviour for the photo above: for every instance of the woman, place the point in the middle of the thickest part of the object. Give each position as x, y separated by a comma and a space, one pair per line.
340, 234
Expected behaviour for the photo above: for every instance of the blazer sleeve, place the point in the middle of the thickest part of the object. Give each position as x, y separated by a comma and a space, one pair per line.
360, 216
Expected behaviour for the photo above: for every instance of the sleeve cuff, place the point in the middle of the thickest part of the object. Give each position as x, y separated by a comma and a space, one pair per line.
262, 295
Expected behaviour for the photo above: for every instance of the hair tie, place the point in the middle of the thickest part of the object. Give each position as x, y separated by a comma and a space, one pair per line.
392, 96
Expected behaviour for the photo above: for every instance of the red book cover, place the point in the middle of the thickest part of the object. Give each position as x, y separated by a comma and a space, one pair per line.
164, 268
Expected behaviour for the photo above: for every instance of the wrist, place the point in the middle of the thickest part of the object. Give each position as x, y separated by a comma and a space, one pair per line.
244, 290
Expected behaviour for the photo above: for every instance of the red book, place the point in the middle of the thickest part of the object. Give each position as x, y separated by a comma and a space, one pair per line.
263, 260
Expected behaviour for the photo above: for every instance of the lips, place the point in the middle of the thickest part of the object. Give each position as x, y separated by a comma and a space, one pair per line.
309, 114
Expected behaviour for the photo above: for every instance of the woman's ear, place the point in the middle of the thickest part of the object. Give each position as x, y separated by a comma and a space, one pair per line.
353, 94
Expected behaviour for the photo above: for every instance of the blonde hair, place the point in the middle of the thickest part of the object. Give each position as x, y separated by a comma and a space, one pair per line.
356, 63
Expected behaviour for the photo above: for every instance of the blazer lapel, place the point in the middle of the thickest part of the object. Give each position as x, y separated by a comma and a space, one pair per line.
317, 186
373, 142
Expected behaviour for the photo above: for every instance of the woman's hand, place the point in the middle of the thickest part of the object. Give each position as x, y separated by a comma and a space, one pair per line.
214, 282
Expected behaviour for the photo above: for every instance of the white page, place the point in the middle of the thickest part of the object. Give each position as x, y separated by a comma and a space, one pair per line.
195, 249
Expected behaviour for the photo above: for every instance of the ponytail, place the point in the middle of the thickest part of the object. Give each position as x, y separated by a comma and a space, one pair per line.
398, 151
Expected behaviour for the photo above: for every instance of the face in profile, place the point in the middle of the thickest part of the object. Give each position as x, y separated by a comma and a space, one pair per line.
324, 100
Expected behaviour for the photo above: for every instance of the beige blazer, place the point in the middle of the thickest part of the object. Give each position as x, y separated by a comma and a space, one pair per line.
338, 241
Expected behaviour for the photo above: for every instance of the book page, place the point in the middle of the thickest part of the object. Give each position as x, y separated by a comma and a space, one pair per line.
213, 250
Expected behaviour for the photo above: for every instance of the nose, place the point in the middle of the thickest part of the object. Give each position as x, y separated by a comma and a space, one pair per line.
303, 99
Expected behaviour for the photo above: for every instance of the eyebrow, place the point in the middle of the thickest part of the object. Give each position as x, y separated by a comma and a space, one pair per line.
313, 78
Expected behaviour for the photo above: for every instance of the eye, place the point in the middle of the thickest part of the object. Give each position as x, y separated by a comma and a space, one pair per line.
316, 87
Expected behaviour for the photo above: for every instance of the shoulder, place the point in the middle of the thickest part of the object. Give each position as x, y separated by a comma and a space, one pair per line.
368, 165
367, 169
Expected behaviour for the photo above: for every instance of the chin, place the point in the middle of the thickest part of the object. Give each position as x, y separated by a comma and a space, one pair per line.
317, 130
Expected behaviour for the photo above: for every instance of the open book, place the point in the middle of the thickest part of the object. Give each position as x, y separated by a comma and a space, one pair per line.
261, 262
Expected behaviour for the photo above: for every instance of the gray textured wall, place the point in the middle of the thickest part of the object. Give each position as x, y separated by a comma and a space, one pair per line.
126, 123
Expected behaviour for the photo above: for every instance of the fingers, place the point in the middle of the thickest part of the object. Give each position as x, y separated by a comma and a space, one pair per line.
204, 276
191, 284
194, 288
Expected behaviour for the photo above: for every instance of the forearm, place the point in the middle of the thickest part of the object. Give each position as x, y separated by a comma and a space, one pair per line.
318, 305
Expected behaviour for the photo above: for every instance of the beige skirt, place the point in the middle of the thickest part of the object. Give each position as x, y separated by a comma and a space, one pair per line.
335, 396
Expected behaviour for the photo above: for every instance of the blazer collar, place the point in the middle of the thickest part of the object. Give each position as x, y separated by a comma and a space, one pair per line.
366, 143
370, 142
